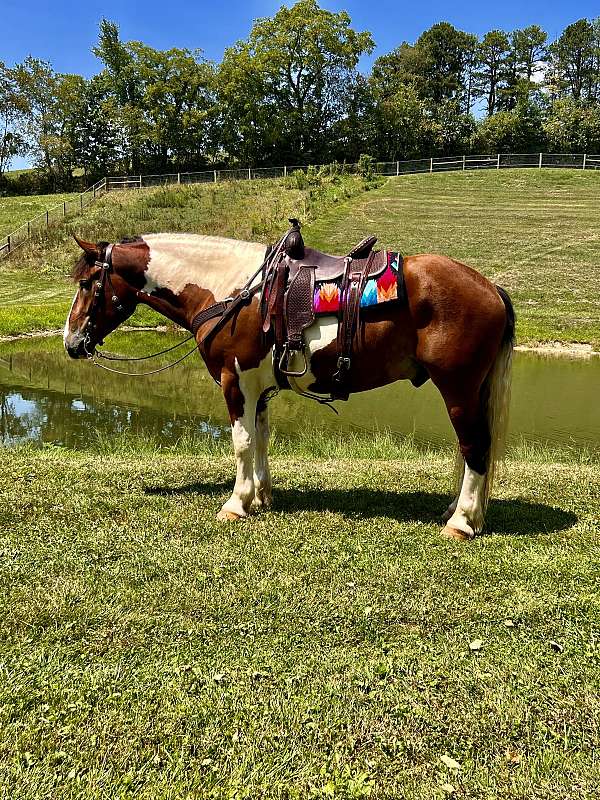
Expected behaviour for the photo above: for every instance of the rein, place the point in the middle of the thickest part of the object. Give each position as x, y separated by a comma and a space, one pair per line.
221, 311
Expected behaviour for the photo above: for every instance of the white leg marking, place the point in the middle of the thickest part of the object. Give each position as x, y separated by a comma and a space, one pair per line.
468, 515
253, 383
262, 473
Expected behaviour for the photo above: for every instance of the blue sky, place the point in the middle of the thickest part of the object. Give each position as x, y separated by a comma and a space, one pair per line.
64, 32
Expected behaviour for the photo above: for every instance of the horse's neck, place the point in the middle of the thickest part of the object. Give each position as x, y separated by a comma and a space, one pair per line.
184, 273
210, 263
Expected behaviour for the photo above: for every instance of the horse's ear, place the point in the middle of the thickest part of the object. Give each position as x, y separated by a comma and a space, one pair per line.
88, 247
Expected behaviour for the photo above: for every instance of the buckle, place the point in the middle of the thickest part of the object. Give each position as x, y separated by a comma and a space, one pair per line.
244, 294
343, 362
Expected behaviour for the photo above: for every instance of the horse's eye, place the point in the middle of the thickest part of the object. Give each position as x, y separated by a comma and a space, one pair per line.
85, 284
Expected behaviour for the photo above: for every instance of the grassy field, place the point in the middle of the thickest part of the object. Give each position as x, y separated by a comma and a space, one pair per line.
333, 647
537, 233
35, 291
14, 211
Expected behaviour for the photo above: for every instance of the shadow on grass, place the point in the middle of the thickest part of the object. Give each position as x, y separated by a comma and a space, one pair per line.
505, 517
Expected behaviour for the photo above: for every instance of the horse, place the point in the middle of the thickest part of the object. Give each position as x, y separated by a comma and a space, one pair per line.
455, 328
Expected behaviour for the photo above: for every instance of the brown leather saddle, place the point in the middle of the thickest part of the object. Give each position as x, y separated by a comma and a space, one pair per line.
288, 301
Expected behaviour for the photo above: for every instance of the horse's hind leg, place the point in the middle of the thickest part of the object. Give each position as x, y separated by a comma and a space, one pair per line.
464, 518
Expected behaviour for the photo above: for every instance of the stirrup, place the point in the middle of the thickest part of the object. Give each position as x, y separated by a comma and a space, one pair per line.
285, 357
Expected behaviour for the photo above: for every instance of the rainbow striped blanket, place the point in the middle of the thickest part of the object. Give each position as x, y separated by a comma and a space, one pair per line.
387, 286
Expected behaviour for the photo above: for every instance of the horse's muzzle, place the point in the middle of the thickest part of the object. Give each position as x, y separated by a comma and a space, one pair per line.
77, 347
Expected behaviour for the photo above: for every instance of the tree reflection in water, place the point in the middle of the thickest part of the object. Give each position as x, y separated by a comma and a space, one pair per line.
39, 415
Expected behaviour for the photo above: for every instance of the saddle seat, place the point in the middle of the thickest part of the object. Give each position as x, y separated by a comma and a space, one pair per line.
327, 267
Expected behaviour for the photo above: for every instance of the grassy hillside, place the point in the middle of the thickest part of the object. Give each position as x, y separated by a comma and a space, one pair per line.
334, 647
537, 233
35, 290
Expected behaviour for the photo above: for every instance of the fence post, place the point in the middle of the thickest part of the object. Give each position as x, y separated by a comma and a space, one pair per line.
140, 179
540, 165
584, 160
215, 175
249, 174
179, 177
29, 229
64, 208
8, 240
285, 171
81, 201
47, 218
431, 164
464, 162
397, 168
498, 161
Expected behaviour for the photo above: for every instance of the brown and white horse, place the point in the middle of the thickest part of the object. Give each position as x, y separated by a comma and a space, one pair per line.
456, 328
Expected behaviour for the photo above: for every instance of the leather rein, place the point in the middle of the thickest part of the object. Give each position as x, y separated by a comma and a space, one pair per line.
221, 311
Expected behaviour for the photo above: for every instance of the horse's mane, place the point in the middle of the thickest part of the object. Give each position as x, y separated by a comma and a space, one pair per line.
85, 260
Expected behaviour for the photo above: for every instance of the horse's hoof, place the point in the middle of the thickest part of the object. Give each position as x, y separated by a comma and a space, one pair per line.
454, 533
228, 516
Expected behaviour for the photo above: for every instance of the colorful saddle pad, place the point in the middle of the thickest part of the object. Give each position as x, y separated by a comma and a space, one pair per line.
387, 286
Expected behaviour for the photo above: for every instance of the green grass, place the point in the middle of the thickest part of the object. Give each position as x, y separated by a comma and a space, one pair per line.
35, 291
14, 211
318, 650
537, 233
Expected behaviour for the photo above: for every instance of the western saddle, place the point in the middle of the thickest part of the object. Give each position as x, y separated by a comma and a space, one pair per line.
288, 301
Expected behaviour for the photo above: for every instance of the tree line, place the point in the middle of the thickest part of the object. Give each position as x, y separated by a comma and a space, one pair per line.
291, 93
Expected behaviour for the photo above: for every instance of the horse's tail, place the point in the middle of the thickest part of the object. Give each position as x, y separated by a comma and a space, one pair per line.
496, 394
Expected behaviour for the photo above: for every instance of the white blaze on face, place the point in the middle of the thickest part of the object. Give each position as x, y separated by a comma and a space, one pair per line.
210, 262
67, 330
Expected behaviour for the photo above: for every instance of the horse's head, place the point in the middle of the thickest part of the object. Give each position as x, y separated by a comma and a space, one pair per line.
104, 299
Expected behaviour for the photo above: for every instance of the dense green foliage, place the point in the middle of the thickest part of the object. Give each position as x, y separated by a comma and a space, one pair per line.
292, 93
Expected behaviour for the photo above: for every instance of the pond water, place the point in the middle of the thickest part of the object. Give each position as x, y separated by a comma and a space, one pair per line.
47, 397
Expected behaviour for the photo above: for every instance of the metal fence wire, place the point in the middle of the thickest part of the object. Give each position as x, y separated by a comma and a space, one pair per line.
36, 227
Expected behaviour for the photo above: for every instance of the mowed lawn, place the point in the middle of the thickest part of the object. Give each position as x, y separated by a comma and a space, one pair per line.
535, 232
14, 211
336, 646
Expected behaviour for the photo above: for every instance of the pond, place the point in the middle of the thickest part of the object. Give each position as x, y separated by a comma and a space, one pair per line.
47, 397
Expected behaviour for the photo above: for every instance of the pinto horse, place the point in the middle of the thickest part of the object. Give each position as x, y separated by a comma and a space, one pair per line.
455, 328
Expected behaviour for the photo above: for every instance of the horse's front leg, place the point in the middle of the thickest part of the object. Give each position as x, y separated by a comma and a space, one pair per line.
241, 395
262, 474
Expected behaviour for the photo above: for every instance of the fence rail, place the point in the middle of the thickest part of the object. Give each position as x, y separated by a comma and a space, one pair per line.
38, 225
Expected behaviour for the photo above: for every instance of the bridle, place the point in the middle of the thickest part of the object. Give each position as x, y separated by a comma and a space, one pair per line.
221, 311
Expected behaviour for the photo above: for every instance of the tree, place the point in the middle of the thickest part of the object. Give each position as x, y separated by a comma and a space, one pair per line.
516, 131
574, 57
439, 66
162, 99
51, 108
285, 86
491, 62
12, 108
573, 127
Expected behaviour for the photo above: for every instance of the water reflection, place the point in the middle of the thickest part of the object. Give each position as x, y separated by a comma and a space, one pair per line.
45, 397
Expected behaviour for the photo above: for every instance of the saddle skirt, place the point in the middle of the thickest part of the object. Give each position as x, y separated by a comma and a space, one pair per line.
388, 285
